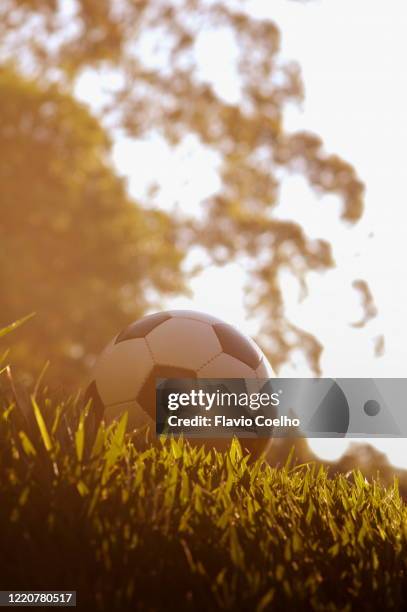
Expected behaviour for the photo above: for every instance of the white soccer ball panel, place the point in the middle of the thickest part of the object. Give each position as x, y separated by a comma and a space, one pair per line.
253, 385
183, 343
226, 366
196, 316
264, 370
121, 370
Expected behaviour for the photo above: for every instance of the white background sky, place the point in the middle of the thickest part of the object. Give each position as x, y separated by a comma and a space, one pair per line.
352, 55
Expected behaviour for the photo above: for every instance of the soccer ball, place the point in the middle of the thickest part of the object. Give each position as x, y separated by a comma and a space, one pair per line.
172, 344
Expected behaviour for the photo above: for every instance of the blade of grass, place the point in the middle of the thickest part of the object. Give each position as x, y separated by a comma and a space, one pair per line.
80, 438
41, 425
15, 325
41, 378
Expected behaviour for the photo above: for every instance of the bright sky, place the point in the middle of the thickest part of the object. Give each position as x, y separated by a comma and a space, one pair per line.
352, 56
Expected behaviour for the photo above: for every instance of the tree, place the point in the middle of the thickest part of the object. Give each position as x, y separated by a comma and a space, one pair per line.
74, 247
170, 97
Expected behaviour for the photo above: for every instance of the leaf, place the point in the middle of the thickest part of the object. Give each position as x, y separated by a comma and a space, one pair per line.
176, 448
99, 441
236, 551
3, 359
359, 479
82, 488
289, 458
41, 378
310, 513
13, 326
235, 451
296, 542
375, 559
116, 446
280, 572
265, 601
26, 444
80, 438
41, 425
58, 413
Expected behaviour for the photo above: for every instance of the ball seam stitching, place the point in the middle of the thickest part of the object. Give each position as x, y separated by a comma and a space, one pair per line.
209, 361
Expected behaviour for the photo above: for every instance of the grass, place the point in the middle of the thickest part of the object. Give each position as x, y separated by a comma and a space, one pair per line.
173, 527
167, 526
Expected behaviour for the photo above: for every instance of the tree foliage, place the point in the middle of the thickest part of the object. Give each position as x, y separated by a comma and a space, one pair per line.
73, 247
164, 92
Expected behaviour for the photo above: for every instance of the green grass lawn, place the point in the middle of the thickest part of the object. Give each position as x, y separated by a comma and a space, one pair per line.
172, 527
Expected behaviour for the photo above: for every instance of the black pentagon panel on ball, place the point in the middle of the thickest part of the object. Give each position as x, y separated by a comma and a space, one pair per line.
147, 395
332, 416
139, 329
237, 345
